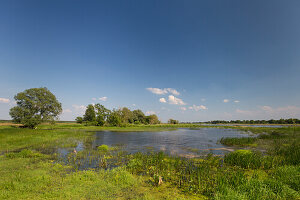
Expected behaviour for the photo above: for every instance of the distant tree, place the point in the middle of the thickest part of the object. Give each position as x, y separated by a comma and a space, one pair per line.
271, 121
34, 106
90, 114
102, 114
127, 115
138, 116
152, 119
173, 121
79, 120
114, 119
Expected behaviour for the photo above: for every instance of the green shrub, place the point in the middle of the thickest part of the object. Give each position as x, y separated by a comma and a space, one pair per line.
103, 148
245, 159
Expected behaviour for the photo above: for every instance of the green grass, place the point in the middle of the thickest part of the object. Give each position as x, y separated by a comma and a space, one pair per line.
13, 138
242, 141
247, 177
29, 171
75, 126
36, 177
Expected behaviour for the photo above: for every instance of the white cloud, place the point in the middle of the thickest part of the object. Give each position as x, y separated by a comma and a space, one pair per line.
225, 100
4, 100
157, 90
67, 111
79, 107
94, 99
197, 108
175, 100
150, 112
203, 99
162, 100
133, 105
247, 112
182, 108
103, 98
172, 91
267, 108
268, 112
236, 101
163, 91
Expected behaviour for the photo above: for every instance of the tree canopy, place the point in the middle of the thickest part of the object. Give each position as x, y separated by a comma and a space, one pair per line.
99, 115
34, 106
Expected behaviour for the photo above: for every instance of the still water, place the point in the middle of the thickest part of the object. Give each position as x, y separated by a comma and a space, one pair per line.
181, 142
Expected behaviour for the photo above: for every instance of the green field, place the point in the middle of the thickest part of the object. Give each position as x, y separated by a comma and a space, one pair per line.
269, 169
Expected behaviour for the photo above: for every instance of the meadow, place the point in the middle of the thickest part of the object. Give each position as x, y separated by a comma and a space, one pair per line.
267, 166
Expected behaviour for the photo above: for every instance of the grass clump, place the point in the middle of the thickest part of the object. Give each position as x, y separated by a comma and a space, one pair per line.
103, 148
25, 153
290, 151
242, 141
248, 159
245, 159
106, 148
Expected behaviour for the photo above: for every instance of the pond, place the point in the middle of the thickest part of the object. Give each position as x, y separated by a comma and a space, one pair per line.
182, 142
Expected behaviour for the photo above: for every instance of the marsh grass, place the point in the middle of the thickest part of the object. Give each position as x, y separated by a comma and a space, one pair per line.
242, 141
13, 138
216, 178
29, 171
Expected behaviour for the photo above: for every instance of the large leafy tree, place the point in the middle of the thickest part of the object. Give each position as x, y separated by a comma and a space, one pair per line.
127, 115
138, 116
102, 114
173, 121
34, 106
152, 119
90, 114
114, 119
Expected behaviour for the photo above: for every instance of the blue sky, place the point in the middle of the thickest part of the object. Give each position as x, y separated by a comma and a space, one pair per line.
207, 59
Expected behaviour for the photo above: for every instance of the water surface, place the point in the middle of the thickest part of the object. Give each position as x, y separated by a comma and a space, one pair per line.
181, 142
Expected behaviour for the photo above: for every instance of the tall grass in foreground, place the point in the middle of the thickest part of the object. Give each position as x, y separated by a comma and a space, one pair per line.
241, 175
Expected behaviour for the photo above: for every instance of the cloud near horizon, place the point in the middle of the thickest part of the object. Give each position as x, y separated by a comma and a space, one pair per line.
163, 91
150, 112
4, 100
197, 108
67, 111
162, 100
103, 98
225, 100
79, 107
268, 112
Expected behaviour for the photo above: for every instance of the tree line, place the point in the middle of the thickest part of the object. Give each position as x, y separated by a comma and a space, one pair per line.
37, 105
98, 115
271, 121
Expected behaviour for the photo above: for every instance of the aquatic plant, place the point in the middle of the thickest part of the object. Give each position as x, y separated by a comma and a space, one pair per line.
241, 141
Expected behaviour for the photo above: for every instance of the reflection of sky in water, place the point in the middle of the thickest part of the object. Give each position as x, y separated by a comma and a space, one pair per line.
178, 142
